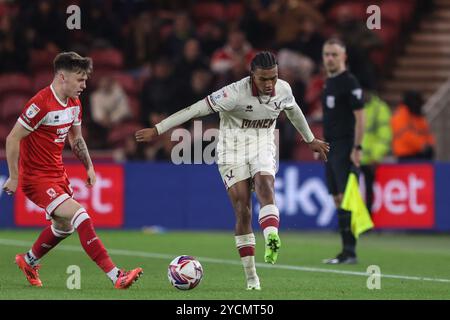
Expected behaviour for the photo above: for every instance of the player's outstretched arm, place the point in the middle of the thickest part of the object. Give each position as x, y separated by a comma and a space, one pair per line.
12, 156
295, 115
80, 149
198, 109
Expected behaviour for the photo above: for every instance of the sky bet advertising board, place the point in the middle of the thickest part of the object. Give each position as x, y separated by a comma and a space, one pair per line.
177, 197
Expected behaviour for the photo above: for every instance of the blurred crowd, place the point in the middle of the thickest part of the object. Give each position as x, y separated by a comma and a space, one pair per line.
152, 58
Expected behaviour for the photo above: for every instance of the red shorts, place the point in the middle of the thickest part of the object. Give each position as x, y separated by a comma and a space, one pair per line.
48, 195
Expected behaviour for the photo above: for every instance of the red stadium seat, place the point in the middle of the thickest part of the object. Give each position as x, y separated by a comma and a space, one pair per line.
42, 60
357, 9
301, 150
42, 80
234, 11
4, 131
206, 11
127, 82
389, 33
15, 83
135, 106
11, 106
107, 58
121, 132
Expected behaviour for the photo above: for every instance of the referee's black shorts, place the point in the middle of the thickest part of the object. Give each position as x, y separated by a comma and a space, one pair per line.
338, 165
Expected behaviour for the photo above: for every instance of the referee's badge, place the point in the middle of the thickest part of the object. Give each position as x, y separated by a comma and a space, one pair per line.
330, 102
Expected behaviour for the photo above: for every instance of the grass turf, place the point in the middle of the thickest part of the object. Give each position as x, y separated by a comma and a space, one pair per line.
404, 255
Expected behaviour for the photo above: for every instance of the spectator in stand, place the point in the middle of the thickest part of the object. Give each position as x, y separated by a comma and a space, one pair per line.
292, 14
183, 30
236, 48
191, 60
109, 106
413, 139
360, 42
309, 41
212, 37
142, 42
13, 51
313, 95
376, 140
159, 93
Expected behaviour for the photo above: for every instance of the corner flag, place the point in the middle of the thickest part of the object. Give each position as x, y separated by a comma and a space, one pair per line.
352, 201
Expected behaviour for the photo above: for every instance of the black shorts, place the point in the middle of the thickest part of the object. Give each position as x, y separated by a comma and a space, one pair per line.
338, 165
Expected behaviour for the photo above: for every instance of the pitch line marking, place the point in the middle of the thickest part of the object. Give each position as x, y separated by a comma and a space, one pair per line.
20, 243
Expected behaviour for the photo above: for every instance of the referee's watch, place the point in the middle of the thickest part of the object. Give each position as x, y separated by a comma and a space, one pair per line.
358, 147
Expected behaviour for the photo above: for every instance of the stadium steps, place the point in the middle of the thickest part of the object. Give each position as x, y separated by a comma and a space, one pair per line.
425, 63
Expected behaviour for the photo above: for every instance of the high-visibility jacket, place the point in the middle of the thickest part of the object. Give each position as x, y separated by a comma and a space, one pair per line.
377, 131
411, 132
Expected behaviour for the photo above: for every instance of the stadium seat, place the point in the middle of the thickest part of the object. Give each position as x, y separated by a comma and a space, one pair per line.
107, 58
301, 150
41, 80
11, 106
206, 11
135, 107
15, 83
118, 134
127, 82
389, 33
4, 131
234, 11
41, 60
357, 8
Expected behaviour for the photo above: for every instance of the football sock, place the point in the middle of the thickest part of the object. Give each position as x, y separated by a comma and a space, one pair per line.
113, 274
269, 219
90, 242
348, 240
46, 241
246, 247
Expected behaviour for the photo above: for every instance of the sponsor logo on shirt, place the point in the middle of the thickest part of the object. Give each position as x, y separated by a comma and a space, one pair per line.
32, 111
264, 123
52, 193
217, 96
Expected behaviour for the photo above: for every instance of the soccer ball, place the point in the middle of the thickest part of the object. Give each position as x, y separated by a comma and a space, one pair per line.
185, 272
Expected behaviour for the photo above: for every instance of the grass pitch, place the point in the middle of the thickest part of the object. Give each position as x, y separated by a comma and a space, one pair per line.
412, 267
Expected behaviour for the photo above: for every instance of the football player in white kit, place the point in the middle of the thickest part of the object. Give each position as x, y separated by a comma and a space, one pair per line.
246, 150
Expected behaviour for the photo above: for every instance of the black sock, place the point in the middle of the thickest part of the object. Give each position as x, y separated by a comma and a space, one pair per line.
348, 240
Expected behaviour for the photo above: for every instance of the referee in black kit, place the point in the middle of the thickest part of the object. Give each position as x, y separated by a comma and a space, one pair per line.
343, 122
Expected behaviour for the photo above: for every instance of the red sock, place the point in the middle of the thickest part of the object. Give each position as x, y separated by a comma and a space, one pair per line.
91, 243
246, 251
47, 240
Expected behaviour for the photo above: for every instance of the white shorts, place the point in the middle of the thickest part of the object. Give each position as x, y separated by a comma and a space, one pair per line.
245, 167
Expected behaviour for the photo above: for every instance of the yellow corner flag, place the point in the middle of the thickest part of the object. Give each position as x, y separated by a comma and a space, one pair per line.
360, 218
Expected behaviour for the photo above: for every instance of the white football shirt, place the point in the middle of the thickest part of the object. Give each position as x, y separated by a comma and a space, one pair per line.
248, 120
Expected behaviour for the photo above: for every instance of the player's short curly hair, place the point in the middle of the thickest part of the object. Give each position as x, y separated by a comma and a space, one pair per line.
73, 62
263, 60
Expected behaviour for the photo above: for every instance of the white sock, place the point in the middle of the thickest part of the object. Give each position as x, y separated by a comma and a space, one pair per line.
249, 267
31, 259
268, 219
268, 230
113, 274
246, 242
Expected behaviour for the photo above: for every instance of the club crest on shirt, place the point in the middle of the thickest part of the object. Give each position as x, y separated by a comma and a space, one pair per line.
32, 111
330, 102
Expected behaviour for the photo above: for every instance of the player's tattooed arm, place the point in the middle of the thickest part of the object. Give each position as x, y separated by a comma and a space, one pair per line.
79, 147
81, 151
